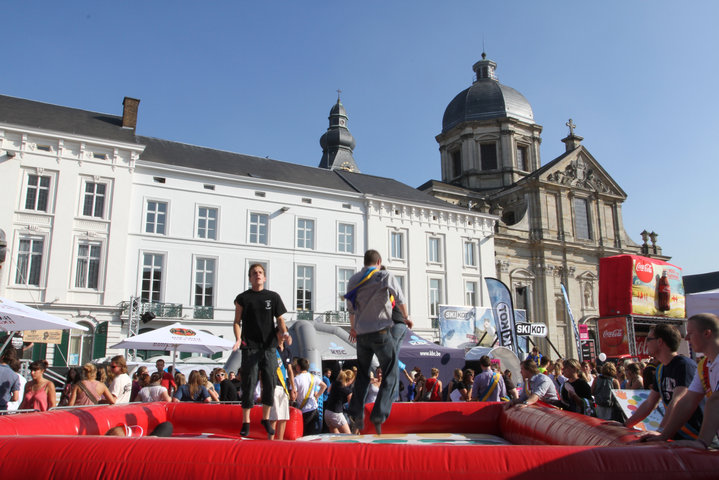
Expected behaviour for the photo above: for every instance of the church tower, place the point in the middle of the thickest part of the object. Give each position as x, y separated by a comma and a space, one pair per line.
489, 139
337, 142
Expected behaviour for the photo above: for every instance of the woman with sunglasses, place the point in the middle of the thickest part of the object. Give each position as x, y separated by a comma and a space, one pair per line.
40, 392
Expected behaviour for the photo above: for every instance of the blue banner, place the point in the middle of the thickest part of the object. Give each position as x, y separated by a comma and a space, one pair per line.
503, 308
574, 324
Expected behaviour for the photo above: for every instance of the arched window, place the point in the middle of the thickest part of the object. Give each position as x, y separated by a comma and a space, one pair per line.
79, 346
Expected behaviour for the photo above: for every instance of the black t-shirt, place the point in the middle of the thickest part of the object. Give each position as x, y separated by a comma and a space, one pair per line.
259, 310
581, 388
679, 372
338, 397
286, 359
228, 391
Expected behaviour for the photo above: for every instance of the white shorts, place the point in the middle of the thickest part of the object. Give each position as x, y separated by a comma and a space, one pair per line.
334, 419
281, 408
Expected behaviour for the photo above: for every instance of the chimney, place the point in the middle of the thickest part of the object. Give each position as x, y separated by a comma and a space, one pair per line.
129, 112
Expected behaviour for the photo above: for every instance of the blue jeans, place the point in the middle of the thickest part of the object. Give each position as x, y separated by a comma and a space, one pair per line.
399, 330
383, 345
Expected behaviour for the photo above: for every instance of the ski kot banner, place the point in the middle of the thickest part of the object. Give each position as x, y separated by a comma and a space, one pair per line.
503, 313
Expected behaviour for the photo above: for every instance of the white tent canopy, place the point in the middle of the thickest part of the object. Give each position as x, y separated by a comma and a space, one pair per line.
703, 302
178, 338
16, 317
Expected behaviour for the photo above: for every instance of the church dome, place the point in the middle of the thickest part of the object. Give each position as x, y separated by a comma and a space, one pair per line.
486, 99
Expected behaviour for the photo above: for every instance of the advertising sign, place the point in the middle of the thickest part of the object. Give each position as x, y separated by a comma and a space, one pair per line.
503, 313
636, 285
648, 284
532, 329
613, 336
43, 336
589, 352
583, 331
457, 326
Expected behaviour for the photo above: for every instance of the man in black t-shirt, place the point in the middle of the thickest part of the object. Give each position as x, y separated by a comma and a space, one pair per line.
674, 375
256, 335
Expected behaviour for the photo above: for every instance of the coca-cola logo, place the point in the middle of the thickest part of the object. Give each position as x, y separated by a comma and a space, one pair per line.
644, 270
612, 332
618, 333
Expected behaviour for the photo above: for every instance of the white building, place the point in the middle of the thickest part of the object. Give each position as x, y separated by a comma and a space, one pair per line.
96, 214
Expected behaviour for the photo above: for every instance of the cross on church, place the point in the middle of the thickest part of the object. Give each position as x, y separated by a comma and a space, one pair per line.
338, 94
571, 126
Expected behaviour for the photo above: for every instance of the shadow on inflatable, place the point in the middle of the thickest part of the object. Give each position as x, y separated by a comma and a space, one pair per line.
546, 443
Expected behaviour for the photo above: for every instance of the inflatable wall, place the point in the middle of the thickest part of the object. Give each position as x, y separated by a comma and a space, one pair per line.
548, 443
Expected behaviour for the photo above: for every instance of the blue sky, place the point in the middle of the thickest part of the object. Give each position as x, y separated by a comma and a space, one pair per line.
637, 77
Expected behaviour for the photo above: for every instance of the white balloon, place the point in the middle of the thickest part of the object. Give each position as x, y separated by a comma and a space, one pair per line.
603, 356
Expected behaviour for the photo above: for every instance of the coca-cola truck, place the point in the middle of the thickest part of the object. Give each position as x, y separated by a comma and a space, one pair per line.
625, 335
636, 293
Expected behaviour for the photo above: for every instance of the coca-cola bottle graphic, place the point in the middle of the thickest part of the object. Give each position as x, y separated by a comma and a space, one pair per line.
665, 293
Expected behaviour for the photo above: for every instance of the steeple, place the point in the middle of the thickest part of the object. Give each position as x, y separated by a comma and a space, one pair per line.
337, 142
485, 68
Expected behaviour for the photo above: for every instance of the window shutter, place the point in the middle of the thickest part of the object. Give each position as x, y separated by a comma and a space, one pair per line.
60, 357
100, 341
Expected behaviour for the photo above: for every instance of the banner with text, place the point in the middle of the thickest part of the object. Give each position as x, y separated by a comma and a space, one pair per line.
503, 309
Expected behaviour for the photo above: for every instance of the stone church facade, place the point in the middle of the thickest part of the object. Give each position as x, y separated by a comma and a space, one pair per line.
555, 221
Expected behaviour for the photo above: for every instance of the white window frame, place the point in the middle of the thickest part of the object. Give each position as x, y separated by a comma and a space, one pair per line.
469, 249
32, 255
105, 202
343, 276
80, 344
204, 234
434, 250
343, 244
156, 213
470, 295
195, 272
26, 190
260, 215
311, 288
163, 271
432, 306
305, 229
100, 264
402, 281
401, 244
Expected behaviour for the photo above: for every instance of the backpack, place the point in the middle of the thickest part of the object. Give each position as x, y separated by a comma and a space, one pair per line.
603, 395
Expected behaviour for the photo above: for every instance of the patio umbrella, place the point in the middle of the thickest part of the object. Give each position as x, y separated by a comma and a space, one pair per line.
16, 316
178, 338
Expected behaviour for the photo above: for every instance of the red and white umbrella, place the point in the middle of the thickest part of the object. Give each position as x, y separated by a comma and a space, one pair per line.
178, 338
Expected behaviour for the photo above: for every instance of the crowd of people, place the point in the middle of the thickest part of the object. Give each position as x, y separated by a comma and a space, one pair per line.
378, 322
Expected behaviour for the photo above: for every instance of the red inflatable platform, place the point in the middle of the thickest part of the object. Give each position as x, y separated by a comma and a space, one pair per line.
548, 443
